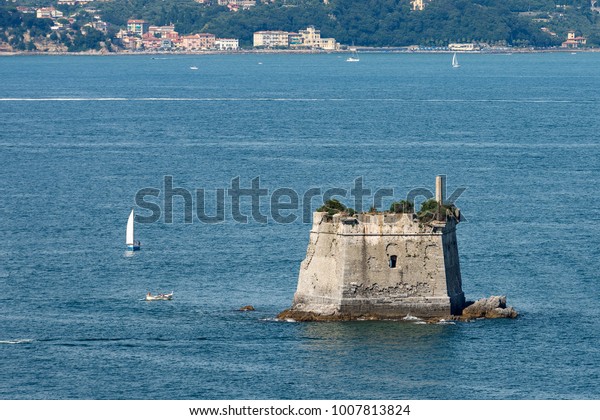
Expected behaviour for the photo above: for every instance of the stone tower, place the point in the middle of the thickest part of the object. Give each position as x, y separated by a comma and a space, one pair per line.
380, 266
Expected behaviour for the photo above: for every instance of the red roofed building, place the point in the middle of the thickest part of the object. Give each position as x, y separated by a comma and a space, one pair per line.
150, 42
573, 41
198, 42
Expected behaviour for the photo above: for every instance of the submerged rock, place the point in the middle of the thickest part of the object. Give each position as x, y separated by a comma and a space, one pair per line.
247, 308
303, 316
492, 307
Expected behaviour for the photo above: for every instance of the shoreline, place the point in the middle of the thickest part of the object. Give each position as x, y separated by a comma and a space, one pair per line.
362, 50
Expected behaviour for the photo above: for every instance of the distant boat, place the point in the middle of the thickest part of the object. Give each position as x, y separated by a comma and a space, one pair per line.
354, 57
132, 245
455, 61
160, 296
193, 68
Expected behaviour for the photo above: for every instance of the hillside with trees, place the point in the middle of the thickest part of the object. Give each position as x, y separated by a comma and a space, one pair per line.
25, 32
372, 23
377, 23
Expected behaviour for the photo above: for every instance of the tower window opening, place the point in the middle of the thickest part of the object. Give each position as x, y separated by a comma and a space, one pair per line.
393, 260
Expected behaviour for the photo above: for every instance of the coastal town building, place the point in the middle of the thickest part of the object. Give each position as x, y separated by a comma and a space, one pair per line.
167, 31
26, 9
137, 26
98, 25
462, 47
141, 35
305, 38
548, 31
329, 44
227, 44
198, 42
167, 44
417, 4
573, 41
48, 13
73, 2
271, 39
128, 41
294, 39
311, 38
150, 42
237, 4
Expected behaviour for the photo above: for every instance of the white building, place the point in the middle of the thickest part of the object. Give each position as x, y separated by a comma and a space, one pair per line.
305, 38
162, 31
227, 44
417, 4
270, 39
329, 44
311, 38
462, 47
48, 13
243, 4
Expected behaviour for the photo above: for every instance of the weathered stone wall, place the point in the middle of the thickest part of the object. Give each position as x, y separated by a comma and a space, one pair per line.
347, 274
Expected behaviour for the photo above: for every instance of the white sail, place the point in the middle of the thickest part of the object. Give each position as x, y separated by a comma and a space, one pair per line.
129, 236
455, 61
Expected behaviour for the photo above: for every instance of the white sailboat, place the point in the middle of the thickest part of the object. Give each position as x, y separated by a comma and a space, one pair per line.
132, 245
455, 61
354, 57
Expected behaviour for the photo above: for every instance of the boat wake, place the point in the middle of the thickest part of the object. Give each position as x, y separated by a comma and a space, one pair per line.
17, 341
278, 320
217, 99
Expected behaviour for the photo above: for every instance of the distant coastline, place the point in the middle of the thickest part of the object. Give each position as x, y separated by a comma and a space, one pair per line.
367, 50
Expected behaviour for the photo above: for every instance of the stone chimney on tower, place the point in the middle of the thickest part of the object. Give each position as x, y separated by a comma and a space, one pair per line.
440, 189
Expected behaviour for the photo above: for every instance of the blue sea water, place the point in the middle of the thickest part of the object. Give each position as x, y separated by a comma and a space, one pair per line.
79, 136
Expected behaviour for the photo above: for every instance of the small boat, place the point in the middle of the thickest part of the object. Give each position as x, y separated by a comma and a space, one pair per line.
132, 245
354, 57
160, 296
193, 68
455, 61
